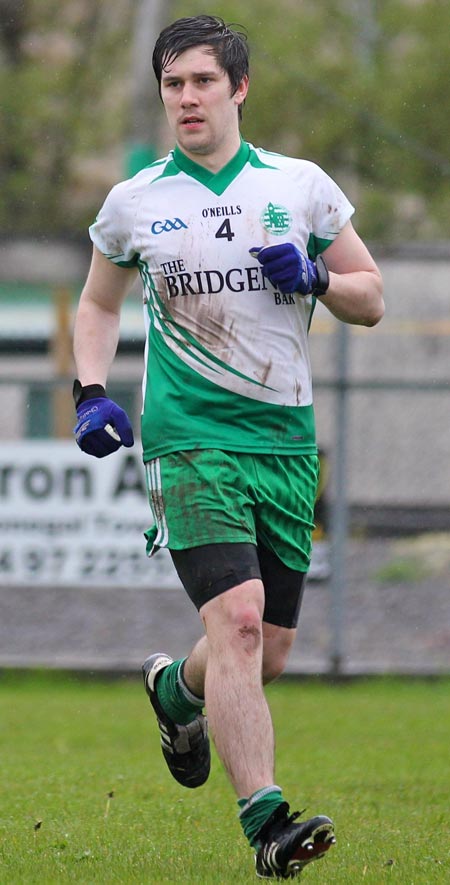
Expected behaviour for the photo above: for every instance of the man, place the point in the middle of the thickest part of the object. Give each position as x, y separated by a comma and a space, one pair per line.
229, 242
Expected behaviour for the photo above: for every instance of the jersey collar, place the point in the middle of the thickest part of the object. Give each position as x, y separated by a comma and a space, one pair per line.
215, 181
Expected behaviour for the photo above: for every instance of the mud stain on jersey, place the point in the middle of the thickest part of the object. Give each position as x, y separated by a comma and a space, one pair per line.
266, 372
211, 328
298, 392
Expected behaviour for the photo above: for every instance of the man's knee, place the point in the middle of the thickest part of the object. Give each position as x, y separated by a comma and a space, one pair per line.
277, 645
235, 617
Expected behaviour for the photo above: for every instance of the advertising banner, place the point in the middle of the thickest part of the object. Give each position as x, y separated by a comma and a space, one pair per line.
67, 518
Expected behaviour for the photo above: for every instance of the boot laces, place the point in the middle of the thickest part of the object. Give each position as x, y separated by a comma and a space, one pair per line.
292, 817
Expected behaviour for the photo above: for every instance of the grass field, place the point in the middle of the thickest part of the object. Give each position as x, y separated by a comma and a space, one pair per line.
86, 797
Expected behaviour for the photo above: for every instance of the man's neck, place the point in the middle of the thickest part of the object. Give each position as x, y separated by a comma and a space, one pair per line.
216, 160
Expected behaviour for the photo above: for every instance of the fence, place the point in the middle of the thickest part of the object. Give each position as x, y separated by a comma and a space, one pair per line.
382, 417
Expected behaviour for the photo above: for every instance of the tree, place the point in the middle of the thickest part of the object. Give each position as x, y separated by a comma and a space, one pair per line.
61, 100
360, 86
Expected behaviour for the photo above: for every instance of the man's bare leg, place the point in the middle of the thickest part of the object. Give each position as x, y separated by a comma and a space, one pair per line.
277, 643
237, 710
227, 665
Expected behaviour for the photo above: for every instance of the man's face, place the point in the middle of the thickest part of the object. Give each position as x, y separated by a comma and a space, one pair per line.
201, 111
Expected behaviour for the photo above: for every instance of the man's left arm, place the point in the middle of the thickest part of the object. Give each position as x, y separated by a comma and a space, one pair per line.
345, 276
355, 291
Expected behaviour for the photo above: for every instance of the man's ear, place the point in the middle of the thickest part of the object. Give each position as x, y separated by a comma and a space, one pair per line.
241, 92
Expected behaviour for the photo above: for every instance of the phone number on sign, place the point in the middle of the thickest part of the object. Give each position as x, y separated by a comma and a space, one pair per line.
68, 565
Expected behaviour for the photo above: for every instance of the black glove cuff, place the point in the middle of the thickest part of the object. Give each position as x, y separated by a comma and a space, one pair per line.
323, 277
91, 391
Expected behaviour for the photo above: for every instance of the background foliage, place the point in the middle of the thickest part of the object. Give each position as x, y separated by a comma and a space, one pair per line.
360, 86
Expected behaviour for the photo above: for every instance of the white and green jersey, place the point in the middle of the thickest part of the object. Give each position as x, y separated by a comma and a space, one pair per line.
227, 363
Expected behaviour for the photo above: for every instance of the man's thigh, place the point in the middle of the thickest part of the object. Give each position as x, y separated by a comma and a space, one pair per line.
208, 497
286, 488
199, 497
211, 569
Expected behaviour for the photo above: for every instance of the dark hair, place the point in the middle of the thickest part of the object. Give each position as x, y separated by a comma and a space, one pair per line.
229, 47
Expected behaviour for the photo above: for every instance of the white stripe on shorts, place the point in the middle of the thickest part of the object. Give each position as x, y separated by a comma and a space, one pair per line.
156, 500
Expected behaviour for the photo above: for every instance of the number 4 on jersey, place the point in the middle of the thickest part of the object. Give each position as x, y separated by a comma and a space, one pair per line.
225, 232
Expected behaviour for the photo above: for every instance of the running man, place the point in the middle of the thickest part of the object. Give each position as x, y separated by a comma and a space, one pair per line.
234, 245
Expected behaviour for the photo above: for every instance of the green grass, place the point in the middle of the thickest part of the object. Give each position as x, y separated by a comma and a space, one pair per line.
401, 571
374, 755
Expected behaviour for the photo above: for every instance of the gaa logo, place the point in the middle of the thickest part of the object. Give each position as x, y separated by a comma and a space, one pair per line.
276, 219
163, 227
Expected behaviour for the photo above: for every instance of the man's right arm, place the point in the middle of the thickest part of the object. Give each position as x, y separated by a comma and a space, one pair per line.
102, 425
96, 332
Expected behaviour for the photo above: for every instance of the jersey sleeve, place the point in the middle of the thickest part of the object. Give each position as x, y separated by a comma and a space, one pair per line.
112, 231
330, 211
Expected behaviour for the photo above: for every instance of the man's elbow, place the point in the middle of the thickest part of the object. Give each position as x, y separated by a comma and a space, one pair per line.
375, 303
375, 314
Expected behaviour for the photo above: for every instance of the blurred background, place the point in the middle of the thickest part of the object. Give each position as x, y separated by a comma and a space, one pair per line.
361, 88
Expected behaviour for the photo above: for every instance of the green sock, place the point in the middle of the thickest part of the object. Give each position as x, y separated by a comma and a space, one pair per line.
255, 811
178, 702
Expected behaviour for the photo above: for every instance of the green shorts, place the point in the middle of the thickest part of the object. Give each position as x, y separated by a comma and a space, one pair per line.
207, 496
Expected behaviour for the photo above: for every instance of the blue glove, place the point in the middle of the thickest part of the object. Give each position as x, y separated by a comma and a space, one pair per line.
102, 427
287, 268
